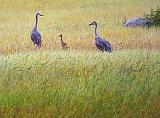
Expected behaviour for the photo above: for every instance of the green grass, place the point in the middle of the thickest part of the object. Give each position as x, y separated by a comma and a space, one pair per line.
80, 82
83, 84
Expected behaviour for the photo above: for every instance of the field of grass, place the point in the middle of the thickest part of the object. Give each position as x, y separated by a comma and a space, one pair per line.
80, 82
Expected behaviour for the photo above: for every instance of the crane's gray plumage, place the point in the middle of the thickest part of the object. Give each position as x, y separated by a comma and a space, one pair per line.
35, 35
135, 22
101, 44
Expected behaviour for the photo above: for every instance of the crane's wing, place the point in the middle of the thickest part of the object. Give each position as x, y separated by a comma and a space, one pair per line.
36, 37
107, 46
99, 44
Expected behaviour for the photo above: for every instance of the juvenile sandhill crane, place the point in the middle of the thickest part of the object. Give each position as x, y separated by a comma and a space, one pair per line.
63, 44
35, 35
101, 44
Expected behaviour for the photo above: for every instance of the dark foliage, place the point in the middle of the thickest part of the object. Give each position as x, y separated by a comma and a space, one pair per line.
154, 16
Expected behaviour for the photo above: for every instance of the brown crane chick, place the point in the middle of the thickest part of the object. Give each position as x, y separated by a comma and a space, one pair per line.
63, 44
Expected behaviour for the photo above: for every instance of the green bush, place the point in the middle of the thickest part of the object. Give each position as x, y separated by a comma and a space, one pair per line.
154, 16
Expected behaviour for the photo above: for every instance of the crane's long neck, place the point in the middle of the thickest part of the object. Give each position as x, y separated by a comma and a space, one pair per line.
62, 40
96, 34
36, 25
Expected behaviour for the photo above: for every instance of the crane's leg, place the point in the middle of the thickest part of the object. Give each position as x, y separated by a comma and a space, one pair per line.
36, 47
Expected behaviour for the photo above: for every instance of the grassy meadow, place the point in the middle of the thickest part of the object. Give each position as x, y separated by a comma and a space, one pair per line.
82, 81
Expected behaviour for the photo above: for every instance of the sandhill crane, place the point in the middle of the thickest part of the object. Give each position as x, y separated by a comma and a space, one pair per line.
63, 44
101, 44
135, 22
35, 35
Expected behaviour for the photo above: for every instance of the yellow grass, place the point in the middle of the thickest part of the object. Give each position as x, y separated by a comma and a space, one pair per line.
71, 18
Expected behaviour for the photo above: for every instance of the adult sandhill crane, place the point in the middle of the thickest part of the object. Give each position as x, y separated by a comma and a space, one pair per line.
35, 35
63, 44
137, 22
101, 44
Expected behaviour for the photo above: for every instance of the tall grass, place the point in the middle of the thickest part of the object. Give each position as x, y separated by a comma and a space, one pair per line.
83, 84
71, 18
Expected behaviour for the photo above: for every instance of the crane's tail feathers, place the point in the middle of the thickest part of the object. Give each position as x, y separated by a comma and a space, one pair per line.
108, 49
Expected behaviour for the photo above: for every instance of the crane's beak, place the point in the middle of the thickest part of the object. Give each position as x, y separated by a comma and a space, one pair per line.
41, 15
90, 24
